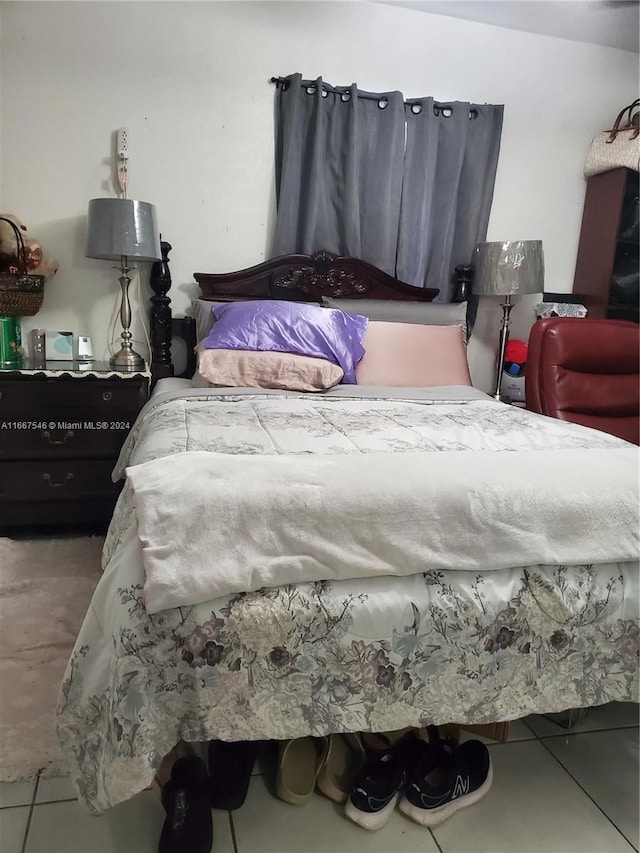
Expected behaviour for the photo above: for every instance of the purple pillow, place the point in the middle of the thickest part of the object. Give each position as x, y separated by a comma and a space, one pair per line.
274, 326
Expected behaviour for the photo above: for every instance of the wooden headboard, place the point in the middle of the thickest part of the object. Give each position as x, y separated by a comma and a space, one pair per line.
304, 278
308, 278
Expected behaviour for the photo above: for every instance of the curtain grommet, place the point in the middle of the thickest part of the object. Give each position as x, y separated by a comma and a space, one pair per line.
473, 114
383, 103
311, 90
345, 96
416, 109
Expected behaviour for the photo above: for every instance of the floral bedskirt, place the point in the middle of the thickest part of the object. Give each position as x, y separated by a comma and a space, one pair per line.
320, 658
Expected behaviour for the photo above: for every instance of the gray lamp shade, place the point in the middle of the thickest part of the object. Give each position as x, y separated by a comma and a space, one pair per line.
120, 227
508, 269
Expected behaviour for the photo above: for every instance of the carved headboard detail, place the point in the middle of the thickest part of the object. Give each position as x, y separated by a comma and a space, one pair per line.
335, 283
309, 278
324, 279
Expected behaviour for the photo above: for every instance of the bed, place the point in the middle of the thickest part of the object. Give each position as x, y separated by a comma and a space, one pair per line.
429, 606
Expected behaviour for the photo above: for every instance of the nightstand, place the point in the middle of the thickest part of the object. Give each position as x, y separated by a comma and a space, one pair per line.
61, 429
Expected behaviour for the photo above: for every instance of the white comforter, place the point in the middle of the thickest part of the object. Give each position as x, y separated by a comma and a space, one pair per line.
275, 520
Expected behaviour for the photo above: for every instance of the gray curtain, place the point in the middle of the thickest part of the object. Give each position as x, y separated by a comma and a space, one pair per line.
339, 162
449, 174
405, 186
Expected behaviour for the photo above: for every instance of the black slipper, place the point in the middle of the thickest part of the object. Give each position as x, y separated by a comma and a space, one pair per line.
188, 827
230, 766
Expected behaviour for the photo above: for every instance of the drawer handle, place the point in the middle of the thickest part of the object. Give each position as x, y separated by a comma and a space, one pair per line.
68, 434
107, 395
47, 477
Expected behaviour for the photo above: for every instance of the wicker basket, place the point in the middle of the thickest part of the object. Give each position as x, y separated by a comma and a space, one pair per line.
21, 294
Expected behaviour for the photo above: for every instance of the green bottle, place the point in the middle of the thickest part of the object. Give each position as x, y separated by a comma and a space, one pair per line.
10, 342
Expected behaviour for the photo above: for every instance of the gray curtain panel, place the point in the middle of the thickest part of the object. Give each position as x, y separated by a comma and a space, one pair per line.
406, 187
449, 174
339, 162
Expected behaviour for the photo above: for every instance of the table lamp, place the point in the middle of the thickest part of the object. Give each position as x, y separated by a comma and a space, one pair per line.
507, 269
120, 229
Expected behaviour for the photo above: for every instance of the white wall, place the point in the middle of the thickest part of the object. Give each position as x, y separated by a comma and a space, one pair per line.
190, 82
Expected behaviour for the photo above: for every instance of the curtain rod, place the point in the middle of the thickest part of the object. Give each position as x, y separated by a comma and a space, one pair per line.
282, 81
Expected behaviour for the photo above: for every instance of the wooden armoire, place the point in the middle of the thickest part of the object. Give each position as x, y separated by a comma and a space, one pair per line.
607, 267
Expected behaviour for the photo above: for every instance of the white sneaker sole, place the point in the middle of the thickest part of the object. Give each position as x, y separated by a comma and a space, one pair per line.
370, 820
433, 817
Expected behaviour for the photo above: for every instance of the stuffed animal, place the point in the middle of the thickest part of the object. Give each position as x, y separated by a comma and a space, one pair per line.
8, 242
37, 264
47, 267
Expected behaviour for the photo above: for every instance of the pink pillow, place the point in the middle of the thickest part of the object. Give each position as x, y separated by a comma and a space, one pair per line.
244, 368
408, 355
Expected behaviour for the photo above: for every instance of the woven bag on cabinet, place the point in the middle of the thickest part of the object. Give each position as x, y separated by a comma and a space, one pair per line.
21, 294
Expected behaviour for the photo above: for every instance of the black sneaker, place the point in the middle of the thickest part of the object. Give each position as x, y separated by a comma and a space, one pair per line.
383, 780
458, 779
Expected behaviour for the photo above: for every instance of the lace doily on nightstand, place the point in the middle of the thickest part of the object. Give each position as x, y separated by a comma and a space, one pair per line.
560, 309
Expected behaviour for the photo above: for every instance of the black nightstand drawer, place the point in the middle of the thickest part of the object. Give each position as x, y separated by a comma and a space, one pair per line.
49, 480
62, 439
59, 398
61, 430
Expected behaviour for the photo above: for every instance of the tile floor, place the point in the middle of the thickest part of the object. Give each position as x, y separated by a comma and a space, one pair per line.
554, 791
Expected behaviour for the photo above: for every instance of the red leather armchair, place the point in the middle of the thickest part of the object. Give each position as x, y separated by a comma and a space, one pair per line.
587, 372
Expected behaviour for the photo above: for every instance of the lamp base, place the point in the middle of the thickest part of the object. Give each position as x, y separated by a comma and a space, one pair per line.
127, 359
502, 398
504, 338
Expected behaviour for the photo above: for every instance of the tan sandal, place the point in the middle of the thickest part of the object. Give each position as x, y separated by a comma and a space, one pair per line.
343, 763
299, 763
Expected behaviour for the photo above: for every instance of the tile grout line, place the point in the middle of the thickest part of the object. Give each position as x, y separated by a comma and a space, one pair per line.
569, 732
28, 826
432, 834
571, 776
541, 740
15, 806
233, 832
41, 803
